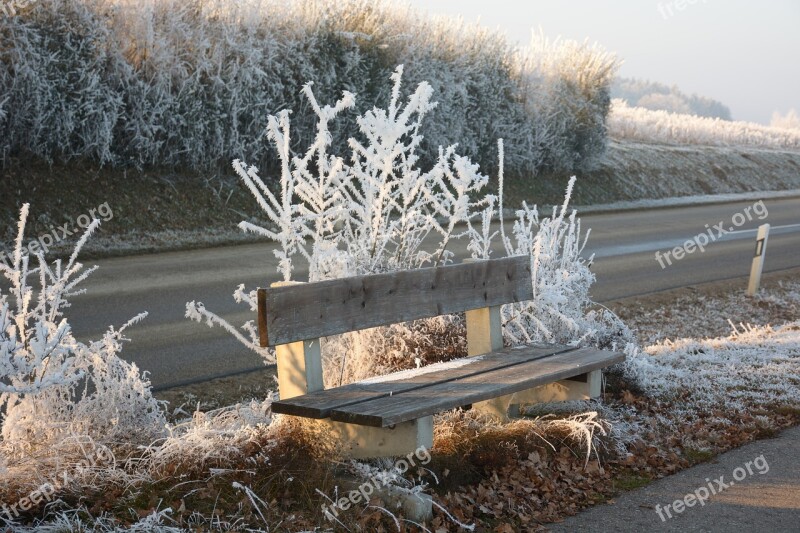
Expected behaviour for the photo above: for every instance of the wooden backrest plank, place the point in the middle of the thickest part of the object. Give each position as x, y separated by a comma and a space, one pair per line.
312, 310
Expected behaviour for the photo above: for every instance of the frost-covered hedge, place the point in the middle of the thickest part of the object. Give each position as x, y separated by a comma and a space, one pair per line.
640, 124
190, 84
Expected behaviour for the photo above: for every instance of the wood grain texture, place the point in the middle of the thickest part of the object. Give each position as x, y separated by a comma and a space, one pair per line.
320, 404
331, 307
435, 398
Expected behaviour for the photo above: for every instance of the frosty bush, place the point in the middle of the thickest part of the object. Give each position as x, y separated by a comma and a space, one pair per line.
53, 387
791, 120
377, 210
188, 84
565, 91
559, 311
639, 124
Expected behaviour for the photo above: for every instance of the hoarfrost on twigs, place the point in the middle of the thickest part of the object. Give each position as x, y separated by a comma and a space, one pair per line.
53, 387
377, 209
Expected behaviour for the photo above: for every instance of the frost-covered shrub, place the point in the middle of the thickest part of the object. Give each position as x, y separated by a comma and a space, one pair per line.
565, 90
371, 215
59, 83
639, 124
791, 120
559, 311
380, 209
53, 387
190, 84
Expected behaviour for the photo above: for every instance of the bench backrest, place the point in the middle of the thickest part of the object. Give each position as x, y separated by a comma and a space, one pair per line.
306, 311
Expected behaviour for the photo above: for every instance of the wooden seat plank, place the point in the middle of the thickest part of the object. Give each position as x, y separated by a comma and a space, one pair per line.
442, 396
320, 309
319, 404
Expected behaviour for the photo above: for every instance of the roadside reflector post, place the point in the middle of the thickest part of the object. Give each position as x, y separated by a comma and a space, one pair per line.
758, 260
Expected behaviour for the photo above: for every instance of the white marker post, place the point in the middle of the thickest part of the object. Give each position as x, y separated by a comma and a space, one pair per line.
758, 260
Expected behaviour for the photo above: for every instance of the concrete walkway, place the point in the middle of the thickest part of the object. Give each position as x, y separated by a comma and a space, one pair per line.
768, 499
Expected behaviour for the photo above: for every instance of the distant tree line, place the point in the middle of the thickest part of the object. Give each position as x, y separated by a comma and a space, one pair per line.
659, 97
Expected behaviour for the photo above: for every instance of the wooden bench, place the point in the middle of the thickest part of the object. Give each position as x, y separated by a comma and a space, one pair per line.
392, 414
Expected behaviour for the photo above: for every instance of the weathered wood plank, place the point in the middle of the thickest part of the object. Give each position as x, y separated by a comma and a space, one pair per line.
319, 404
416, 403
331, 307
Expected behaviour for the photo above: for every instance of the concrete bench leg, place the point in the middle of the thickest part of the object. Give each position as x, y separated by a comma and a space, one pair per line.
364, 442
582, 387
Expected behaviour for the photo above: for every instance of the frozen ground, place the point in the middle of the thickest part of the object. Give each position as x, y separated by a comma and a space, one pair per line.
641, 171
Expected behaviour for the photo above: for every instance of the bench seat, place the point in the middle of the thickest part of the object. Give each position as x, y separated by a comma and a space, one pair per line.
409, 395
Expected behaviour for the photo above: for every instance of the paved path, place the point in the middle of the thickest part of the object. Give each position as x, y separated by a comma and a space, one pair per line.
768, 502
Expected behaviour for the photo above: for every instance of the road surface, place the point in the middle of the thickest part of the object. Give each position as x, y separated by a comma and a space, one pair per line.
177, 351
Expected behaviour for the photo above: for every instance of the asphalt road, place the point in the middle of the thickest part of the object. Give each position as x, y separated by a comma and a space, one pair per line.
177, 351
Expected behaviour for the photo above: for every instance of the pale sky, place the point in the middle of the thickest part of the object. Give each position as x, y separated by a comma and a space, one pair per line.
745, 54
